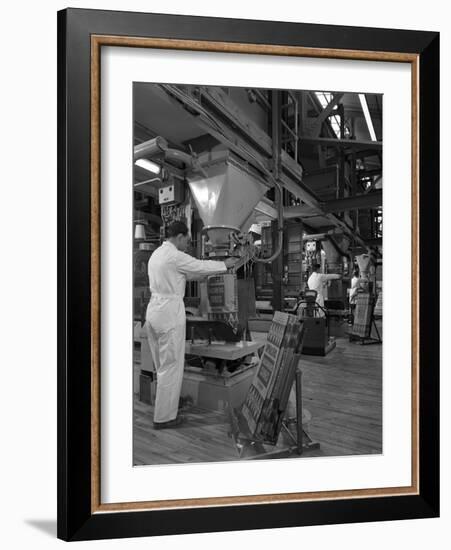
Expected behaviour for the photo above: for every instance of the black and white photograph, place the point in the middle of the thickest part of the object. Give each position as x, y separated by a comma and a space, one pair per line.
257, 273
225, 315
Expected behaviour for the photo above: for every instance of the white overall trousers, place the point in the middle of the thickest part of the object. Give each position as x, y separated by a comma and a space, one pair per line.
166, 334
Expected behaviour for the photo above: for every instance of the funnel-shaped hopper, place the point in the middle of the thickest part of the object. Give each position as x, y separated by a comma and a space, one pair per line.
335, 248
332, 254
226, 197
343, 242
363, 261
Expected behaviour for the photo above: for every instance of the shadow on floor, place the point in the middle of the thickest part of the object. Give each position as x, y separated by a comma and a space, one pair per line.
47, 526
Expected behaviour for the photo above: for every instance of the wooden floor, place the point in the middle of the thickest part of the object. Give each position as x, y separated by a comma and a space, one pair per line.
342, 393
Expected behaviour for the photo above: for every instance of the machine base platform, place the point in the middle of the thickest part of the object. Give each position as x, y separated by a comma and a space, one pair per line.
214, 391
319, 350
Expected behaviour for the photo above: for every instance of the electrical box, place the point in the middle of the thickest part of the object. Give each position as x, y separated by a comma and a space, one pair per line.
172, 193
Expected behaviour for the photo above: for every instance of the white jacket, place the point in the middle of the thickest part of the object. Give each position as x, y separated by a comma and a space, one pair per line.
169, 269
317, 281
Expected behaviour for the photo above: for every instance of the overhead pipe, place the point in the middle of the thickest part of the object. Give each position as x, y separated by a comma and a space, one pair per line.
158, 145
322, 236
190, 161
175, 154
276, 147
150, 148
279, 209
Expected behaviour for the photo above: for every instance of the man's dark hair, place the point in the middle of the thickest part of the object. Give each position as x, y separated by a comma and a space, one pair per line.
175, 228
356, 272
316, 267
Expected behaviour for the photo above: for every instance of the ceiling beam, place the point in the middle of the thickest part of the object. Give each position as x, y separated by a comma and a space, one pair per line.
368, 200
347, 143
266, 207
374, 242
354, 112
239, 143
291, 177
300, 211
217, 98
327, 111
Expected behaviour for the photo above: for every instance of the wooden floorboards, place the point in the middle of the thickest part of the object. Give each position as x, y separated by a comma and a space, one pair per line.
342, 392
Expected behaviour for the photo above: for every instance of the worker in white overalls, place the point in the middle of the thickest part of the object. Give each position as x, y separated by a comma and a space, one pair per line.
169, 268
317, 281
355, 285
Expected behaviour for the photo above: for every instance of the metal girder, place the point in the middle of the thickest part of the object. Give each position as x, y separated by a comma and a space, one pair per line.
368, 200
217, 129
348, 143
374, 242
333, 159
239, 145
220, 101
266, 207
277, 227
327, 111
326, 235
291, 176
300, 211
318, 109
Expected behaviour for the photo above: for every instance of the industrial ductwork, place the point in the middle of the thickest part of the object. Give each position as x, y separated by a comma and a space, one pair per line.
225, 191
150, 148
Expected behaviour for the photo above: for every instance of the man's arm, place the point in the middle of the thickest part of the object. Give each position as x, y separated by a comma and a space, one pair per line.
331, 276
196, 269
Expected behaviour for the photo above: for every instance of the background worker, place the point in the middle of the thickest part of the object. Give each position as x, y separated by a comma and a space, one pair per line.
355, 285
169, 268
317, 281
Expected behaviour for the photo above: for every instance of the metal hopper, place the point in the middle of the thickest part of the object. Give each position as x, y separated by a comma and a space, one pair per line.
225, 194
335, 248
363, 261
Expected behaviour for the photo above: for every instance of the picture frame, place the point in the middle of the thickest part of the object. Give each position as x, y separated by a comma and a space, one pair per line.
81, 35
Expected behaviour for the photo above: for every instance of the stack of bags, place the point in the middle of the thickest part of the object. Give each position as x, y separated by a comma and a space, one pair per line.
363, 313
378, 308
222, 291
267, 398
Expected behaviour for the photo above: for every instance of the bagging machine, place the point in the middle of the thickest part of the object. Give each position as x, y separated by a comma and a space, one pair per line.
317, 339
219, 196
220, 356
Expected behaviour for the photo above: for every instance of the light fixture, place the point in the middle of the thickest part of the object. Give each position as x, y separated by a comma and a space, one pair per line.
148, 165
366, 112
140, 231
